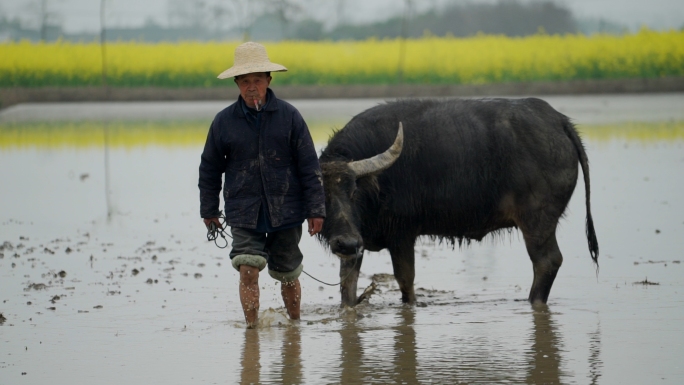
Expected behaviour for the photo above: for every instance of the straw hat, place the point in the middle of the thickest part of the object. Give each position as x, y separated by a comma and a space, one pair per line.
250, 57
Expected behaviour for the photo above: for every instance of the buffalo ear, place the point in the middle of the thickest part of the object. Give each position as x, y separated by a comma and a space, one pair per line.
382, 161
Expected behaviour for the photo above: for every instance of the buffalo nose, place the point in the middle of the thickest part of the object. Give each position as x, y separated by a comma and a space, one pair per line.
346, 246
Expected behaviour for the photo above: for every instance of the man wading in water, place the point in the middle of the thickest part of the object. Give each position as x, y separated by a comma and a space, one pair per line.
272, 181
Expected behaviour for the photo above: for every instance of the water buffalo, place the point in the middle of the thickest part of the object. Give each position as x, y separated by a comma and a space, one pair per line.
458, 170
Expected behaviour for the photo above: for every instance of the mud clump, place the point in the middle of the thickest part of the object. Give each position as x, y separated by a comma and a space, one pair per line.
382, 278
646, 282
2, 319
36, 286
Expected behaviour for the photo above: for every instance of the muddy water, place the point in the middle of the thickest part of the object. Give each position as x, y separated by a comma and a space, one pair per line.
106, 277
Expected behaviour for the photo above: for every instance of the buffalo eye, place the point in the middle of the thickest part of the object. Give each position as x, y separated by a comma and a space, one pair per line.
352, 192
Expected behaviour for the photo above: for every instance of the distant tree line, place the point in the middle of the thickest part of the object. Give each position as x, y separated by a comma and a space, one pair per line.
275, 20
509, 18
15, 30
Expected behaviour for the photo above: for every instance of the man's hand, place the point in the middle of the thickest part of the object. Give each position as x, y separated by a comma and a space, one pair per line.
208, 221
315, 225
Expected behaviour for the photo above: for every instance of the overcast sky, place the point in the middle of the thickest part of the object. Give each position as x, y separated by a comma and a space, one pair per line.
83, 15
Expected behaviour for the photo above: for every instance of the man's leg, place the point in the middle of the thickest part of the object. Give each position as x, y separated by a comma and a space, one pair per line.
285, 265
249, 294
248, 257
292, 295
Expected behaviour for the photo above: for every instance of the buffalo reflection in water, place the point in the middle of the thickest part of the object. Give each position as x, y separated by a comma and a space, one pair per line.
392, 354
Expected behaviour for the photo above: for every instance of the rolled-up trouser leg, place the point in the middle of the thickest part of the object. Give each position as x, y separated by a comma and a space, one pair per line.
284, 256
289, 276
248, 248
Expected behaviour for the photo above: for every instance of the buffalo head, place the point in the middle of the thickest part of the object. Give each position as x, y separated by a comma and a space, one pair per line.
341, 229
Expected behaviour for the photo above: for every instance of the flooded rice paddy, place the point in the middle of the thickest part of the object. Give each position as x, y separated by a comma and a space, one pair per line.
106, 276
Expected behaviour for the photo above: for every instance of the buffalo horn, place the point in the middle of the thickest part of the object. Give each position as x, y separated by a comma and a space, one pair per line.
382, 161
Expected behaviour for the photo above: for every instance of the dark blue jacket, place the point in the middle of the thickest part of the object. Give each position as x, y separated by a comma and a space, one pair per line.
277, 160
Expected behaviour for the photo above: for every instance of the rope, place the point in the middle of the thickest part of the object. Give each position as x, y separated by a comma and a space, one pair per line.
333, 284
213, 233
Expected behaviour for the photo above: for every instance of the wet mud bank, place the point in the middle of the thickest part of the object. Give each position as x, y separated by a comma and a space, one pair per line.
17, 95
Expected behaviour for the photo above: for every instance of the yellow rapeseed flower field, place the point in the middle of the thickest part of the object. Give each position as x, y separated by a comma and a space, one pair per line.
429, 60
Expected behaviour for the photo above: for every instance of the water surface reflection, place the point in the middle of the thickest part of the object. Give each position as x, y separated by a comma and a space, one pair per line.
291, 356
471, 330
251, 358
595, 363
192, 134
378, 355
545, 350
411, 352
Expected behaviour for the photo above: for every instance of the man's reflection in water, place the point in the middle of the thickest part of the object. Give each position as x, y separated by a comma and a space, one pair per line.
544, 363
291, 353
251, 368
291, 358
358, 369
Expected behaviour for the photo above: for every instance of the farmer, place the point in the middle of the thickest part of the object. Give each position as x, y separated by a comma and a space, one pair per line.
272, 181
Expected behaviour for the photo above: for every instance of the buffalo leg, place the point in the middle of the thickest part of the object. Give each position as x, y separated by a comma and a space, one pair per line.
546, 260
349, 276
403, 262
